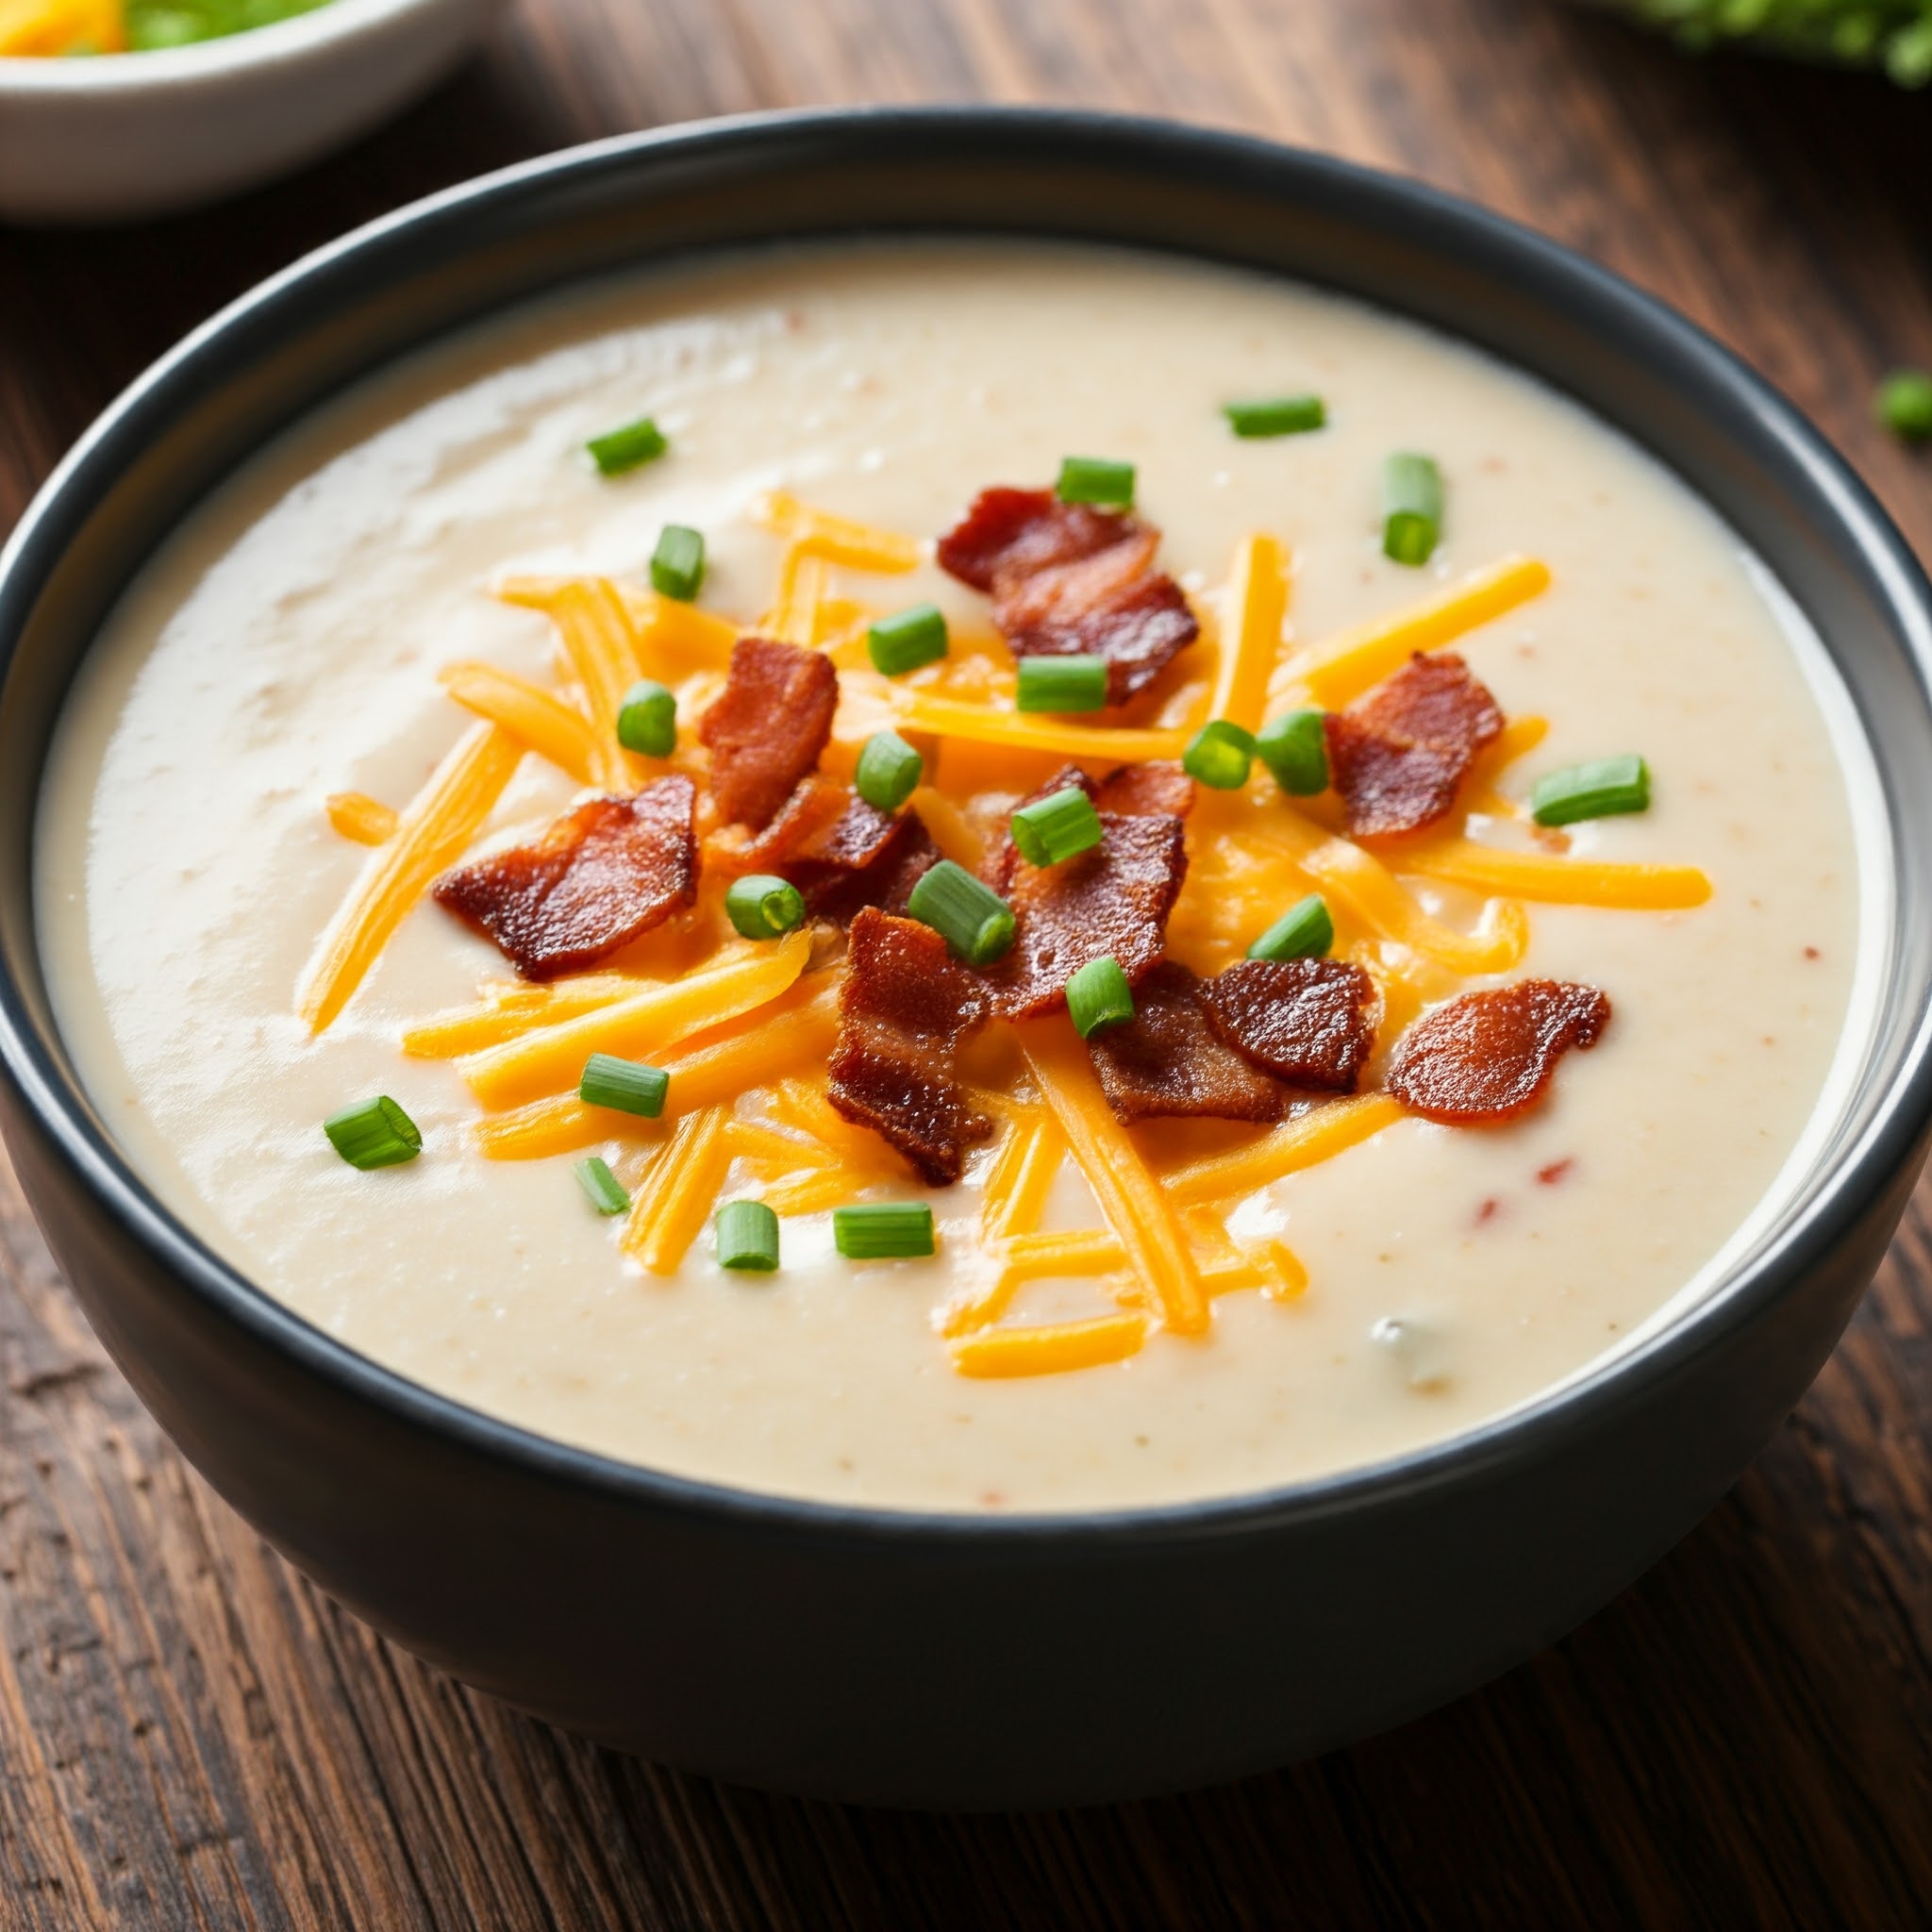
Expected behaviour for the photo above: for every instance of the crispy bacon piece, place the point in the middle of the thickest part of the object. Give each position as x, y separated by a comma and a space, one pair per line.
1112, 899
863, 857
606, 871
816, 801
1134, 790
1398, 757
1488, 1056
767, 727
1304, 1021
904, 1008
1165, 1061
1068, 579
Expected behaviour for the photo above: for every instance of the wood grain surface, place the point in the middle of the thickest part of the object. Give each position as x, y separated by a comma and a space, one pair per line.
191, 1737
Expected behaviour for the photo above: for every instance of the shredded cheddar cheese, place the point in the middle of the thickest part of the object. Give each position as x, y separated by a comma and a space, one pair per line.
1556, 881
1255, 610
1319, 1135
356, 816
431, 835
1052, 1349
674, 1200
539, 722
835, 540
470, 1029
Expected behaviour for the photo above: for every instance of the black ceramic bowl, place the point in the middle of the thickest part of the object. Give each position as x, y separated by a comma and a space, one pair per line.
934, 1659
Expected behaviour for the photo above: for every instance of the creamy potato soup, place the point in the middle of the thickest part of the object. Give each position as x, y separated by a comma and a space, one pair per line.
1437, 824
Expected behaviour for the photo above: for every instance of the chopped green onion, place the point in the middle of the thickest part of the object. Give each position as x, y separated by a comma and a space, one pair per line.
1219, 755
1411, 507
374, 1133
1062, 684
1095, 479
1599, 790
606, 1190
761, 905
1294, 747
1098, 995
1055, 828
1276, 416
629, 1086
907, 640
1305, 931
648, 719
882, 1230
747, 1237
889, 771
1904, 404
677, 564
971, 917
618, 450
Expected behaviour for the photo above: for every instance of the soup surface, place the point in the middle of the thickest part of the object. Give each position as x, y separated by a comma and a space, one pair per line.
287, 644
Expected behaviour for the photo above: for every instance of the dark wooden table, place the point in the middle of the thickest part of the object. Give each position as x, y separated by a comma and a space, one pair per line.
190, 1736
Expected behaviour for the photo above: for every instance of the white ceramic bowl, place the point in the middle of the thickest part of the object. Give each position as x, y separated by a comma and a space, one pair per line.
113, 137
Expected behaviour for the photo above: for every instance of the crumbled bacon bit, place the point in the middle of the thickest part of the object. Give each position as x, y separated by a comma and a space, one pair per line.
816, 801
1165, 1063
1066, 579
863, 857
605, 872
1556, 1171
1113, 899
1488, 1056
903, 1009
767, 727
1398, 757
1304, 1021
1136, 791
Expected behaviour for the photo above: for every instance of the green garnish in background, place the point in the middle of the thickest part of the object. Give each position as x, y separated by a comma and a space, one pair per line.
1904, 404
1895, 35
156, 23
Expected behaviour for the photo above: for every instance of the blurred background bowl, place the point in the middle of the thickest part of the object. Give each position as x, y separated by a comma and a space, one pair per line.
114, 137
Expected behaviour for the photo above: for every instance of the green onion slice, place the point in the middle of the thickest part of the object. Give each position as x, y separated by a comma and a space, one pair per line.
970, 916
629, 1086
889, 771
1294, 747
1096, 480
1055, 828
618, 450
747, 1237
1062, 684
1098, 995
1411, 507
1276, 416
1305, 931
677, 564
761, 905
648, 719
374, 1133
1220, 754
606, 1190
1599, 790
883, 1230
907, 640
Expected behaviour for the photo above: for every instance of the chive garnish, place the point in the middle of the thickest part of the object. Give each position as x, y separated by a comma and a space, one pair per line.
1305, 931
1219, 755
1061, 684
629, 1086
677, 564
971, 917
1294, 747
648, 719
889, 771
761, 905
1053, 829
618, 450
1098, 995
882, 1230
374, 1133
1276, 416
1096, 480
1411, 507
1600, 789
606, 1190
747, 1237
1904, 404
907, 640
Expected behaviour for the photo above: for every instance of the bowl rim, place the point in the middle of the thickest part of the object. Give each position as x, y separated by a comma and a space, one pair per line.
279, 43
1842, 1186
